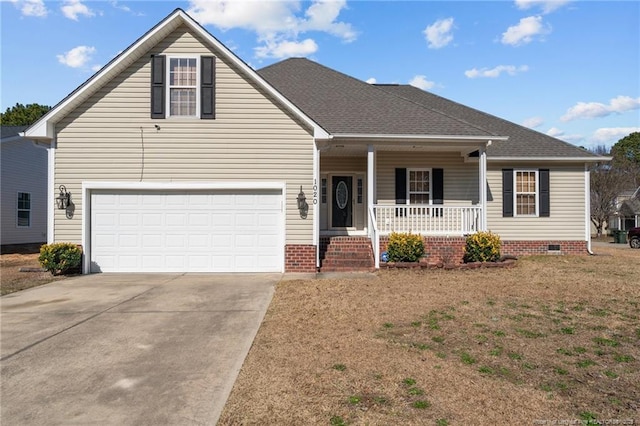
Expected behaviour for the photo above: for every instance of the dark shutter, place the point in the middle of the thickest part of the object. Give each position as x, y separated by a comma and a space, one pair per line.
545, 205
507, 192
208, 87
157, 86
438, 186
401, 189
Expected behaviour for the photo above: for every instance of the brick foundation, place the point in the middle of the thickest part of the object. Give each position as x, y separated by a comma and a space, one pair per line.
524, 248
300, 258
448, 250
451, 250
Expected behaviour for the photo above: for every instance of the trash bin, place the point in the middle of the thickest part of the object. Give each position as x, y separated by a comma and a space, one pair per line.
619, 236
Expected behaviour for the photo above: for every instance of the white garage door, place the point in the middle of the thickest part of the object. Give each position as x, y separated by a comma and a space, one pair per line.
178, 231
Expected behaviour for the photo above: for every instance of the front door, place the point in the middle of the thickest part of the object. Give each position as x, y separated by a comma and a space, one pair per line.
341, 206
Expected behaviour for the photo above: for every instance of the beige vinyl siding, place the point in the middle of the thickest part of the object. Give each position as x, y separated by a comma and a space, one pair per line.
23, 169
460, 178
567, 202
111, 137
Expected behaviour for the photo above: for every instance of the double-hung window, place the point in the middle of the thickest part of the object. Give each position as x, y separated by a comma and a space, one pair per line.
418, 186
24, 210
526, 192
183, 87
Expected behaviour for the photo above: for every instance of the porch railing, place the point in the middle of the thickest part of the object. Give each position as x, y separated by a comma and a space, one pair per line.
426, 219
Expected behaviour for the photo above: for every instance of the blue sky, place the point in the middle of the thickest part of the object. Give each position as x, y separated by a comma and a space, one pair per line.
570, 69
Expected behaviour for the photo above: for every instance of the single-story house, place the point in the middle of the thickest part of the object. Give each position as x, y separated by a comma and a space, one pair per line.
178, 156
627, 214
23, 188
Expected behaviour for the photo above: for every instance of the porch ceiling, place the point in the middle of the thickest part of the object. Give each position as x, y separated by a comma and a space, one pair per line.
358, 150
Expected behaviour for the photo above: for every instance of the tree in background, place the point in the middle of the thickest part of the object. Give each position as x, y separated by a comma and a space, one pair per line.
626, 158
21, 115
606, 184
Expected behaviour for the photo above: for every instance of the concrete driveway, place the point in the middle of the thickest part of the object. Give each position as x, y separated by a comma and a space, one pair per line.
128, 349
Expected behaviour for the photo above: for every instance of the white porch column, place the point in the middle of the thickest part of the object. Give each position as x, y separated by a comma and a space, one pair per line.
483, 188
371, 176
316, 201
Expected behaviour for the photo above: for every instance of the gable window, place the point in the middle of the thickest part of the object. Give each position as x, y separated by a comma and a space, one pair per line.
526, 192
418, 186
183, 86
24, 209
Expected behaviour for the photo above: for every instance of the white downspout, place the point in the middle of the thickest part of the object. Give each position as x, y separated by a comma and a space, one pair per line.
316, 204
587, 207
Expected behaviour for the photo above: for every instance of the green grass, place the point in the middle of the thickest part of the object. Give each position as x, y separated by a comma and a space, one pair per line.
354, 400
421, 404
339, 367
438, 339
530, 334
623, 358
514, 356
485, 370
387, 325
610, 374
568, 330
415, 391
585, 363
337, 421
409, 381
466, 358
606, 342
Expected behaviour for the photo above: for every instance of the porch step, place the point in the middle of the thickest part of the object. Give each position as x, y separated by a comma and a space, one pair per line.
342, 254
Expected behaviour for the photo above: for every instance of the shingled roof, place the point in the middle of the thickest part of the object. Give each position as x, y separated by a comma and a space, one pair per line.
344, 105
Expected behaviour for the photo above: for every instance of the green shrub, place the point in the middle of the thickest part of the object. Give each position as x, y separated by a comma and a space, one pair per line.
405, 247
60, 258
482, 247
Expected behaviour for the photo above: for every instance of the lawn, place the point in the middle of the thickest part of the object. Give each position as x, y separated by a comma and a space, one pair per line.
554, 339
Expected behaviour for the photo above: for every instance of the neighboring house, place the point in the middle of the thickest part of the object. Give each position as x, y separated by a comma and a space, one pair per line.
628, 211
23, 189
180, 157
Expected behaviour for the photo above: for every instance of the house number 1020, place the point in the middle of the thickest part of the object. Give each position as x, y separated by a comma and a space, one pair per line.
315, 191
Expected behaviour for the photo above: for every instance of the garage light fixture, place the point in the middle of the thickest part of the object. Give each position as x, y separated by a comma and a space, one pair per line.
63, 199
302, 204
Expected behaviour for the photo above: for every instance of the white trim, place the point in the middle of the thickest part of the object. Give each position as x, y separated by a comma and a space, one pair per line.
545, 159
169, 87
408, 183
587, 206
51, 192
44, 127
429, 138
316, 202
88, 186
515, 192
482, 168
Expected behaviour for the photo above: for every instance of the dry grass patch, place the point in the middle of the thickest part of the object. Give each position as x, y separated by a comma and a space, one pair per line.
12, 280
554, 338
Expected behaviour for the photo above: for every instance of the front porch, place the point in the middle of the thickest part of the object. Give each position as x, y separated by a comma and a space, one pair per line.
434, 189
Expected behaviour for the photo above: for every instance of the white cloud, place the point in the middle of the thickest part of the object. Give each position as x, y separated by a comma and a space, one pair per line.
525, 31
96, 68
286, 49
35, 8
616, 105
278, 24
555, 132
533, 122
372, 80
612, 134
421, 82
496, 71
77, 57
439, 34
74, 8
547, 6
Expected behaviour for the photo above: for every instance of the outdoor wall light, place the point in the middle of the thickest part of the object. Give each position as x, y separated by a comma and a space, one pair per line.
302, 204
62, 200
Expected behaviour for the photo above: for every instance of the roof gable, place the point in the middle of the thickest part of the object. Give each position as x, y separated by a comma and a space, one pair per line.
44, 127
347, 106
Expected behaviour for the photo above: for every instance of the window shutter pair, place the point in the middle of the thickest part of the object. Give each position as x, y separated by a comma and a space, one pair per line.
207, 87
544, 209
437, 176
